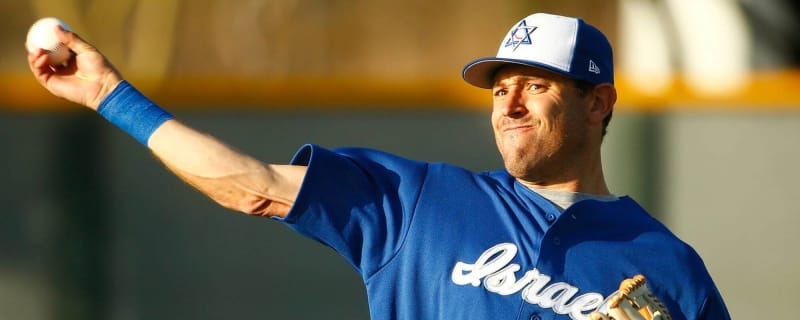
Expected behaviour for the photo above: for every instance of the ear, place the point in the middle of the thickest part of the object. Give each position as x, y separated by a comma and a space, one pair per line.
604, 96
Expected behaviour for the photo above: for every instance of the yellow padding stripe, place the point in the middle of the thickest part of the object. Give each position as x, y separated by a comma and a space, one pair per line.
770, 91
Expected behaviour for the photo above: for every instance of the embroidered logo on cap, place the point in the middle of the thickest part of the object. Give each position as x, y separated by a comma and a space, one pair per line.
593, 67
520, 35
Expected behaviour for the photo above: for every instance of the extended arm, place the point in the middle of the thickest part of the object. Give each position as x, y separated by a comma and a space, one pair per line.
227, 176
232, 179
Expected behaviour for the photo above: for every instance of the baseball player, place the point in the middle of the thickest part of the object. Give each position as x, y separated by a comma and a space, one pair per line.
542, 238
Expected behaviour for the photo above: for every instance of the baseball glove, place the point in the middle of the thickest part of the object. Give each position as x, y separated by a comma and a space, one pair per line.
633, 301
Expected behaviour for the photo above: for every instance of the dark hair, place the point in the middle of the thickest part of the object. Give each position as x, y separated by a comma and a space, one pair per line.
584, 87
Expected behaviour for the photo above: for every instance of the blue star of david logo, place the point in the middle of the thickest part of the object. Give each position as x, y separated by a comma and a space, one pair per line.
520, 35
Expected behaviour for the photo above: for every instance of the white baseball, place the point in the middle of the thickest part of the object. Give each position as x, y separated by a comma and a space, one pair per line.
42, 35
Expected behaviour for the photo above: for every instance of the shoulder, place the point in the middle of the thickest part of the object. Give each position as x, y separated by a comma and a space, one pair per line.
352, 160
367, 158
310, 152
627, 239
625, 222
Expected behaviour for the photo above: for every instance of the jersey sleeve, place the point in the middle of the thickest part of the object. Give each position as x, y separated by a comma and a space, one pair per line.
714, 307
359, 202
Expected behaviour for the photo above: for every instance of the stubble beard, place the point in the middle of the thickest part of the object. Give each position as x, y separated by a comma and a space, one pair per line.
528, 161
538, 160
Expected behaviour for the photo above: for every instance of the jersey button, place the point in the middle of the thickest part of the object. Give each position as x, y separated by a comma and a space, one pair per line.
557, 241
535, 317
550, 217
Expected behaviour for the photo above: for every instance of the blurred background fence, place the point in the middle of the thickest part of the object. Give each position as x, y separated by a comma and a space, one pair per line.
705, 136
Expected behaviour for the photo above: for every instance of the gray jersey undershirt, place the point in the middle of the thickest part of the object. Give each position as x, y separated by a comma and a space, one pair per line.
564, 199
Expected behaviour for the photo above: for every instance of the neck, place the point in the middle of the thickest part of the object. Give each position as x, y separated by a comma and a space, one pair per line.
596, 188
584, 177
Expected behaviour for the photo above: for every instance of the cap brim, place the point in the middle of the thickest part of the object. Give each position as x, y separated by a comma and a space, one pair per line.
480, 73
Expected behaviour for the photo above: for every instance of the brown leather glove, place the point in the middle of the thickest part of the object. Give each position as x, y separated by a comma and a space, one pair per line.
633, 301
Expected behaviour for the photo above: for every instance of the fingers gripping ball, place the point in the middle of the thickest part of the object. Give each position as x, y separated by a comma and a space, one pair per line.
42, 35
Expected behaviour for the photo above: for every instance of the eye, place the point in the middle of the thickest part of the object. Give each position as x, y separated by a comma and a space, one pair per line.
500, 92
533, 87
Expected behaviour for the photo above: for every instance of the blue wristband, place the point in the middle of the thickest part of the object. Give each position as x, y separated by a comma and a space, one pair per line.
132, 112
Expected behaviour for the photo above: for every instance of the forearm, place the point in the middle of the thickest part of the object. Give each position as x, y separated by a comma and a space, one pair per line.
229, 177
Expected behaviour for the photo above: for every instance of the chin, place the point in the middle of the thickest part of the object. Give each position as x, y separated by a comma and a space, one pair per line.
525, 164
518, 169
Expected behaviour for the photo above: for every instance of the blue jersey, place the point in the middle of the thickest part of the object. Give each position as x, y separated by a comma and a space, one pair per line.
435, 241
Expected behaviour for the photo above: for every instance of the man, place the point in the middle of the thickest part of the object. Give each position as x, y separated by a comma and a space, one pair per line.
542, 239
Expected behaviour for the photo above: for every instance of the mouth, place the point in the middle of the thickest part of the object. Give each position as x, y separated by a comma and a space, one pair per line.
517, 128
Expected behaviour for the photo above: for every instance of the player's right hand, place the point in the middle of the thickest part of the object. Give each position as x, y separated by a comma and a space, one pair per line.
86, 79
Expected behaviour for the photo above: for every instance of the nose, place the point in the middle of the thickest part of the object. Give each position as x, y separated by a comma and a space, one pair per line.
513, 106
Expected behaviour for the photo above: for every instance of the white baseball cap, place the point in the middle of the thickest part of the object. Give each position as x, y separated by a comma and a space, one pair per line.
565, 45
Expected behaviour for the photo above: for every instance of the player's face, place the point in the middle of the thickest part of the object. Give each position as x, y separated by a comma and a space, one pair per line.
540, 123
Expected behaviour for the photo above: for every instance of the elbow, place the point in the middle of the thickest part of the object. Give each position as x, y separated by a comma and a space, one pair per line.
241, 197
253, 205
256, 205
